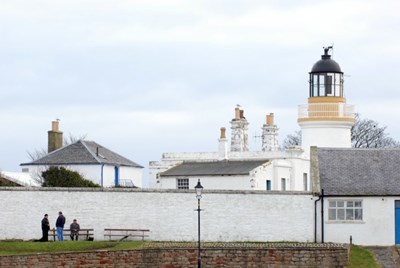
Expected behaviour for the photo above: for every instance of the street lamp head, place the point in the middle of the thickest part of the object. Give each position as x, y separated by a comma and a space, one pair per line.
199, 189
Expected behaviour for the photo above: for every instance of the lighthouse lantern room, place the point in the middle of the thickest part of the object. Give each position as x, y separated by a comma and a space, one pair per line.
326, 120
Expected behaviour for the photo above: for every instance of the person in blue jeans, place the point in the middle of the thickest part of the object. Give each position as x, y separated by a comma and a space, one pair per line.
60, 226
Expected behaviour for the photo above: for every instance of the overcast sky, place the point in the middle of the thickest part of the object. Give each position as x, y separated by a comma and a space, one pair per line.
146, 77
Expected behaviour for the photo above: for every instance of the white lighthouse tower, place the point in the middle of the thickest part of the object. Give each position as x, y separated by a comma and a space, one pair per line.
326, 120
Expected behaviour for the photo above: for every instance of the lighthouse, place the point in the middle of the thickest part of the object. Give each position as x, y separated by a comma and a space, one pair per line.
327, 119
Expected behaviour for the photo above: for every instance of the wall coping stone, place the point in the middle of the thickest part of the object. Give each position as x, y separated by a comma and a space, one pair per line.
141, 190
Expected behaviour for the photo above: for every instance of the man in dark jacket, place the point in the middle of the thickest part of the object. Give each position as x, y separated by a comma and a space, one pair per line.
45, 229
60, 226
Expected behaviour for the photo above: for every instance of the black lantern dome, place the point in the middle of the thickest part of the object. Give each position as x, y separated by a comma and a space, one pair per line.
326, 77
326, 64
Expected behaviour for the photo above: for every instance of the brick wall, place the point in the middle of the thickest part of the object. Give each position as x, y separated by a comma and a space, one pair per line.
301, 256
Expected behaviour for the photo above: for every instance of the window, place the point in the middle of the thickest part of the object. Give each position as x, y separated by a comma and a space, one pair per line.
305, 182
182, 183
268, 185
283, 184
345, 210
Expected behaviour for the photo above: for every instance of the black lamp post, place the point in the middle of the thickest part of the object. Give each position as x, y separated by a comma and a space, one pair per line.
199, 191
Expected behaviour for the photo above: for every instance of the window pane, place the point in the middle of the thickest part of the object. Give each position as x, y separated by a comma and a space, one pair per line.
315, 83
268, 185
328, 85
340, 204
332, 204
349, 214
332, 214
357, 204
358, 214
350, 204
340, 214
183, 183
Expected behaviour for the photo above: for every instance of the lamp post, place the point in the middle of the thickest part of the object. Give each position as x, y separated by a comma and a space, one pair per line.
199, 191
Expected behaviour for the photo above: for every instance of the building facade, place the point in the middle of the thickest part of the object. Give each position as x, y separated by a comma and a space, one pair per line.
90, 159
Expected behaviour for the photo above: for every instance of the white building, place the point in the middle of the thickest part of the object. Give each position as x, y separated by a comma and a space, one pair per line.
90, 159
238, 168
359, 191
325, 121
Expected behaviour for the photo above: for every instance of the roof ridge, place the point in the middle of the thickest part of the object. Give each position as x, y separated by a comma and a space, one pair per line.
91, 153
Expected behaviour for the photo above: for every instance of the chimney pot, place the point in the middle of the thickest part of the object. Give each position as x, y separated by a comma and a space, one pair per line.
223, 136
54, 126
270, 119
237, 113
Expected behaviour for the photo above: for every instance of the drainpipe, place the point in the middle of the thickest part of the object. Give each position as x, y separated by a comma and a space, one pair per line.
322, 216
321, 197
315, 219
102, 168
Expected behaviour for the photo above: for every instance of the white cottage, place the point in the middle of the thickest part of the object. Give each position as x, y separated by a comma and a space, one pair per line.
358, 193
92, 160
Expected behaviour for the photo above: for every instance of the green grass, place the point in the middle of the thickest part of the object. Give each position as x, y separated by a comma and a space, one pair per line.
361, 257
23, 248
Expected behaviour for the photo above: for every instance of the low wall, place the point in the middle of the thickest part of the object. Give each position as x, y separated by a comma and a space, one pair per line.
283, 256
169, 214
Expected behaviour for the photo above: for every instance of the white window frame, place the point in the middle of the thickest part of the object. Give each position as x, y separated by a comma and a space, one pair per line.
345, 210
182, 183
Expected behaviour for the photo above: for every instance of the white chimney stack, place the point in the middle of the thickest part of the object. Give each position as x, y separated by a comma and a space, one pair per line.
269, 134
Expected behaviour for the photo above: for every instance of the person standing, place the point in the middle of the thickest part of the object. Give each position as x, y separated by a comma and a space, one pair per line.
60, 226
45, 229
74, 227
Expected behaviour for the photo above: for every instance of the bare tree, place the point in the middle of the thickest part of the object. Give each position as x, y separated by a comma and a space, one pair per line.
39, 153
365, 133
72, 139
292, 140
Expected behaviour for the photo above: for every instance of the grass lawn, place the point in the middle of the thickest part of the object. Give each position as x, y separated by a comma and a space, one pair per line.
361, 257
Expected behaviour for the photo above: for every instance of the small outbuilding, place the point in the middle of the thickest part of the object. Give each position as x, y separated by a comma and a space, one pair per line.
358, 195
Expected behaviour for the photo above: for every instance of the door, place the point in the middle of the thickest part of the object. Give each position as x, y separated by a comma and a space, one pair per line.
397, 221
116, 176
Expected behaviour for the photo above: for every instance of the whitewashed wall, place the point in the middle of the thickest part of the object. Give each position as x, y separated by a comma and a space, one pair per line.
169, 214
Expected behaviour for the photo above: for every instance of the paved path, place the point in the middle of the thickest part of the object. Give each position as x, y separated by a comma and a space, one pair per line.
387, 257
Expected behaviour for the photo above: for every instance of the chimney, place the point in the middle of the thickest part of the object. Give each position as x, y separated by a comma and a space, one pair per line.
239, 136
55, 137
270, 134
270, 119
223, 145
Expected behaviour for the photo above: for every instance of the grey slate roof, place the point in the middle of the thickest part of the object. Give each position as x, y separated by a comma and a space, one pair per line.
359, 171
213, 168
83, 153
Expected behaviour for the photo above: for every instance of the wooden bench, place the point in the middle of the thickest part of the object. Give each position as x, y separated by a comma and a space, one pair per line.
84, 234
123, 234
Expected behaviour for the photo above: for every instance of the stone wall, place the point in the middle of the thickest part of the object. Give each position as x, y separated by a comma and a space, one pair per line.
169, 214
282, 256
